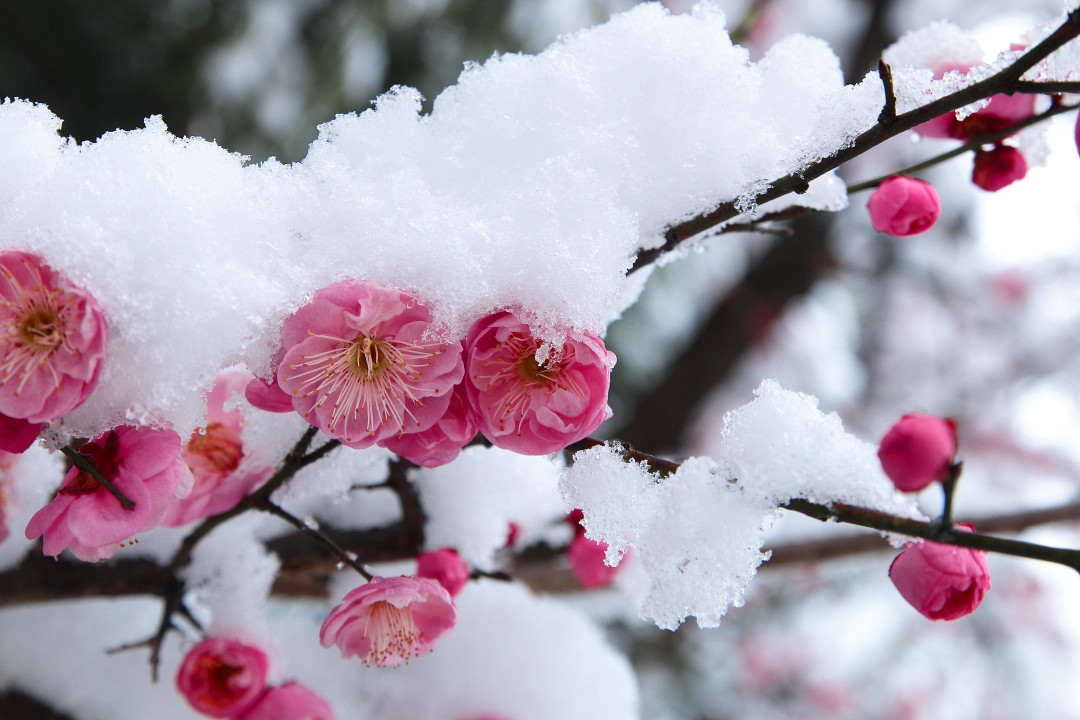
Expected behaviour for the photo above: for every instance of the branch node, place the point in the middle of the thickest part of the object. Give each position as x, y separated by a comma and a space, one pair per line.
888, 112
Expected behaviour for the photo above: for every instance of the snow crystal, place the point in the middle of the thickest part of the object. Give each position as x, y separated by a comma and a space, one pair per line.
471, 502
698, 533
531, 185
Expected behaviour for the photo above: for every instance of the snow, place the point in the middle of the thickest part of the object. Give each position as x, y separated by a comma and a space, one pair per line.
698, 533
499, 198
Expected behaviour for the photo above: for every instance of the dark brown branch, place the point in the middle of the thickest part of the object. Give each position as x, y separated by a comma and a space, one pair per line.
1005, 81
15, 705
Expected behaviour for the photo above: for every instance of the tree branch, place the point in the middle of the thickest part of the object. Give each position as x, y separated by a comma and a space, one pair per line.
1006, 81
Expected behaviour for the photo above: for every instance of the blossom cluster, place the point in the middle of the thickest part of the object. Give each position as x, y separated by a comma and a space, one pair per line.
365, 364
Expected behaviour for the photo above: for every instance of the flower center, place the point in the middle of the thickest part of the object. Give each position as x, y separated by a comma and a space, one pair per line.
41, 331
393, 635
216, 450
369, 357
218, 691
369, 380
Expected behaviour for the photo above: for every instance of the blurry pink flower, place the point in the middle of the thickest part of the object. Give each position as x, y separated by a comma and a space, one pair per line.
917, 450
17, 435
222, 678
445, 567
1076, 133
943, 582
998, 168
1002, 112
52, 340
529, 407
360, 367
389, 620
487, 716
586, 559
142, 463
214, 456
290, 701
903, 206
441, 442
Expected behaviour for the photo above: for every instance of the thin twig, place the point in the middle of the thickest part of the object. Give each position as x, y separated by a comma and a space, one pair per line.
888, 112
266, 505
83, 464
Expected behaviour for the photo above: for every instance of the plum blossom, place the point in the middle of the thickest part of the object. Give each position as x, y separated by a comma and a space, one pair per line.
221, 677
943, 582
442, 442
445, 567
52, 340
361, 366
143, 464
388, 621
917, 450
531, 406
290, 701
214, 456
903, 206
998, 167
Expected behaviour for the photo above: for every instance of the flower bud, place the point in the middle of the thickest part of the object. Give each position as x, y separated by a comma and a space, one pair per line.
943, 582
221, 677
998, 168
903, 206
445, 567
917, 451
290, 701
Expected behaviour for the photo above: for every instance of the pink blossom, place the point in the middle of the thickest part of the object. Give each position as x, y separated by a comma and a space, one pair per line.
445, 567
917, 450
998, 168
1076, 133
17, 435
360, 365
441, 442
214, 457
943, 582
142, 463
529, 406
290, 701
222, 678
389, 620
903, 206
52, 340
586, 558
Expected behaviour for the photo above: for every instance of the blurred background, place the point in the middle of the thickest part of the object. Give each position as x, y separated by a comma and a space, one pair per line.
978, 320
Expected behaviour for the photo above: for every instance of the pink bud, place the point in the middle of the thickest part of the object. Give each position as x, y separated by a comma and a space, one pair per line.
444, 567
917, 451
290, 701
943, 582
1076, 133
903, 206
221, 678
587, 562
998, 168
